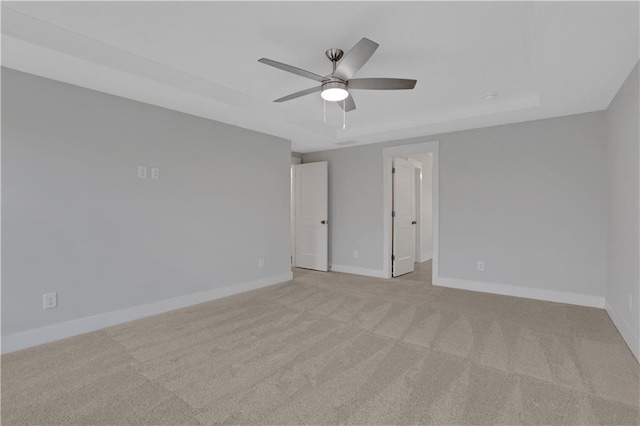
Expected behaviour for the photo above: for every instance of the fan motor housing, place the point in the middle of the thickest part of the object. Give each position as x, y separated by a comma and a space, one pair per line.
334, 84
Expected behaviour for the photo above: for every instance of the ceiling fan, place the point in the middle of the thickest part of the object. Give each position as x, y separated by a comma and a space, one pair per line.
335, 86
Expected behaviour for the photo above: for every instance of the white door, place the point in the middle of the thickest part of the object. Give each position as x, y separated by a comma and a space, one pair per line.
311, 181
404, 234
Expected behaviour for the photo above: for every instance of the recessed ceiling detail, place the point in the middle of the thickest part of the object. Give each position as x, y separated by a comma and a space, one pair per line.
545, 59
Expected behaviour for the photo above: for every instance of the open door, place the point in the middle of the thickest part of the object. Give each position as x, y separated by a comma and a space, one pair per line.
311, 224
403, 217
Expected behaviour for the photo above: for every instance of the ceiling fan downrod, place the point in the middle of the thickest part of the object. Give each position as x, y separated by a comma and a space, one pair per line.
334, 56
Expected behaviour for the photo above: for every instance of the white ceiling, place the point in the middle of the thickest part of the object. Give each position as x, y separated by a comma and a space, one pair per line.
544, 59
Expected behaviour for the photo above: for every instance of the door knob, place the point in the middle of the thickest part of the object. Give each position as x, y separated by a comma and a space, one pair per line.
413, 222
323, 222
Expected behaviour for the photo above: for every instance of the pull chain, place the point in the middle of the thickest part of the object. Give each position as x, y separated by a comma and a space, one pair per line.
324, 111
344, 115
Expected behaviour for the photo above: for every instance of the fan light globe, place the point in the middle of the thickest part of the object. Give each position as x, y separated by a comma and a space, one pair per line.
334, 94
334, 91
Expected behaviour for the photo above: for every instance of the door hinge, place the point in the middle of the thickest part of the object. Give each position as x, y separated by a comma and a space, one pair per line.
393, 257
393, 214
393, 170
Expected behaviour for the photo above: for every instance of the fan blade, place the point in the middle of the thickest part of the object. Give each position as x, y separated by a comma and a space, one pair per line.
292, 69
349, 103
381, 83
298, 94
355, 59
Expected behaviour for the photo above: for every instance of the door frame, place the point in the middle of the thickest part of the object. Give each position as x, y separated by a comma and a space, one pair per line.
292, 217
432, 147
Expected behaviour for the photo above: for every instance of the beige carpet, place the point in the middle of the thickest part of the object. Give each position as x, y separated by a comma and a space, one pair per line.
332, 348
422, 272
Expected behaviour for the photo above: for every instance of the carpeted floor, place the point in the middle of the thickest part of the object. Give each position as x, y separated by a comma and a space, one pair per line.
331, 348
422, 272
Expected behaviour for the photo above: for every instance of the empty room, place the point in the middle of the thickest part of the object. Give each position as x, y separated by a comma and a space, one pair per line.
288, 213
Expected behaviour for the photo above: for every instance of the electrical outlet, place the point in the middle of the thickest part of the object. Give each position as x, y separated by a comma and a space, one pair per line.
480, 265
261, 263
155, 173
49, 300
142, 172
356, 254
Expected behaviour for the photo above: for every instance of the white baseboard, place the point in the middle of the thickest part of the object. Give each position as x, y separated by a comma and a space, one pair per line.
38, 336
624, 328
527, 292
425, 256
377, 273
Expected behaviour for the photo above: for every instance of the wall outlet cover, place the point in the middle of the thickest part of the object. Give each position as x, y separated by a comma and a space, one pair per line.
49, 300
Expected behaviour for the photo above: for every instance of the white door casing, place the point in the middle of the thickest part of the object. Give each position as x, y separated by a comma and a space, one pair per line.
292, 217
404, 233
292, 188
311, 215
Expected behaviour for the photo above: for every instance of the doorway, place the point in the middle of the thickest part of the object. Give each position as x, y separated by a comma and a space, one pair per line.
412, 215
309, 216
423, 164
423, 250
403, 216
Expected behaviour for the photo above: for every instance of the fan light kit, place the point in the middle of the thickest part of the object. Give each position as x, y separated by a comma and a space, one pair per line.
334, 91
335, 86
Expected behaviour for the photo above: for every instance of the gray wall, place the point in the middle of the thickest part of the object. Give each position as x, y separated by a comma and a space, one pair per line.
355, 204
623, 136
528, 199
76, 220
